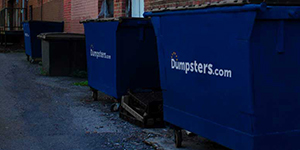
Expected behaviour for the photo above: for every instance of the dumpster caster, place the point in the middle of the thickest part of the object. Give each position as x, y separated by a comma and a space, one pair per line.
27, 57
94, 95
178, 137
31, 60
115, 107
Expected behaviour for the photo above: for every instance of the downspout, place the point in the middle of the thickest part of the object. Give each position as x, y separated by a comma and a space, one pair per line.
41, 10
22, 10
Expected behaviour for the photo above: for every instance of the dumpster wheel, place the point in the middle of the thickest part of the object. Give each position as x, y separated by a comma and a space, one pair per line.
115, 107
178, 137
94, 95
27, 57
31, 60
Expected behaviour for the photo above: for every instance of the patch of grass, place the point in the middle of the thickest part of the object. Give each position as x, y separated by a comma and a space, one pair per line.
18, 51
83, 83
43, 72
79, 74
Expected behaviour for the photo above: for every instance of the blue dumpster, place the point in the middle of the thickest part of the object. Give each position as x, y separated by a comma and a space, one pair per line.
34, 28
121, 55
231, 74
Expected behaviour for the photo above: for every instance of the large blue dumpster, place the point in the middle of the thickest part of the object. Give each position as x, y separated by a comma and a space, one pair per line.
34, 28
121, 55
232, 74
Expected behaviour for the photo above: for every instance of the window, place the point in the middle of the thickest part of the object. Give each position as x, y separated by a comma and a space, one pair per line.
128, 8
137, 8
110, 6
107, 9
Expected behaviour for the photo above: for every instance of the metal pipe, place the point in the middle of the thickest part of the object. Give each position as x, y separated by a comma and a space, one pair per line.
22, 10
41, 10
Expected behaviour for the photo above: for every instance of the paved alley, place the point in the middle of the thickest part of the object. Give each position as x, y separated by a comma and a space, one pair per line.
46, 113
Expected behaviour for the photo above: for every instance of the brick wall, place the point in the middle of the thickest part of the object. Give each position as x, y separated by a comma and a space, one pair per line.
52, 10
120, 8
67, 15
2, 4
78, 10
36, 9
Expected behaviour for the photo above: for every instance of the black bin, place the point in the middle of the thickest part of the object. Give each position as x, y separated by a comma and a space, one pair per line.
63, 53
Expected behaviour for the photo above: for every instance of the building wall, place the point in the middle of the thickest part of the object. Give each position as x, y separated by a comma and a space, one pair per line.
120, 8
52, 10
67, 15
36, 9
2, 4
17, 15
78, 10
11, 18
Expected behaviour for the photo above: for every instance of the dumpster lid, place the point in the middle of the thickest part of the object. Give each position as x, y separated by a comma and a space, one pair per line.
120, 19
61, 36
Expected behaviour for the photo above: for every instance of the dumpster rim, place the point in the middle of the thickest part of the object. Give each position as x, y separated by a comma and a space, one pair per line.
119, 19
33, 21
224, 9
61, 36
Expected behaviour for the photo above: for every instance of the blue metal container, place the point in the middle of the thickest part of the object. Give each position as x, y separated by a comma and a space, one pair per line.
231, 74
34, 28
121, 55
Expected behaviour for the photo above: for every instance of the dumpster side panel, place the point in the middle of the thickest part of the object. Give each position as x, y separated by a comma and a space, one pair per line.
27, 38
276, 51
44, 27
138, 58
101, 56
60, 60
278, 141
161, 59
35, 28
228, 137
206, 61
46, 56
79, 55
63, 56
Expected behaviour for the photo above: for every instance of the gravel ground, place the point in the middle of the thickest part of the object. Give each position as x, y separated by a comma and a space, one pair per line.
41, 113
46, 113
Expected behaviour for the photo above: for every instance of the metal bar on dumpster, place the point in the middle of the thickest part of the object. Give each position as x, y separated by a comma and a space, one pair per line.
249, 7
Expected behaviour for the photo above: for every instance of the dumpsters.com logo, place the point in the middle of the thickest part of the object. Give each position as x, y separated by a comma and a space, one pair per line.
195, 67
98, 54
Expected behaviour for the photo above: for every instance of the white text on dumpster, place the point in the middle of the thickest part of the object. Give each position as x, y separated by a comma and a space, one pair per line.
201, 68
99, 54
